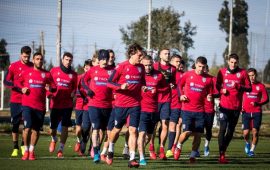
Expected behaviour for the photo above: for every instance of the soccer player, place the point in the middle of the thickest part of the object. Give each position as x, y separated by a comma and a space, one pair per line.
175, 107
11, 81
164, 100
33, 83
232, 82
127, 81
252, 111
194, 87
61, 102
80, 106
100, 102
149, 103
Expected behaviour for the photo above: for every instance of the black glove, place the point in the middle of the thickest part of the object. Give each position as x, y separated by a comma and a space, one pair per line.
90, 93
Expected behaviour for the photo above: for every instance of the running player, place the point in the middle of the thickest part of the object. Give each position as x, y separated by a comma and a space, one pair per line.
252, 111
34, 82
194, 87
61, 102
232, 82
11, 81
127, 81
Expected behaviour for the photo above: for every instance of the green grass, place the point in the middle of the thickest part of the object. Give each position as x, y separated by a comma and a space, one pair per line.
45, 160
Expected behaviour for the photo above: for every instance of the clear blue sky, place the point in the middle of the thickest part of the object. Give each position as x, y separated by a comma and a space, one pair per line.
86, 23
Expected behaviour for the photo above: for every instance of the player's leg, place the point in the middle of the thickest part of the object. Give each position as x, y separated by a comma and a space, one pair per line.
257, 119
78, 129
55, 117
165, 117
209, 118
246, 130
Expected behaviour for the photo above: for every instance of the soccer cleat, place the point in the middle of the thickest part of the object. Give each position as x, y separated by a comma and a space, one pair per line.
247, 148
169, 153
32, 156
109, 159
60, 154
15, 153
173, 148
198, 154
96, 158
133, 163
143, 162
251, 154
222, 159
82, 147
52, 146
192, 160
177, 153
206, 151
22, 150
162, 153
77, 147
103, 157
126, 153
152, 155
25, 155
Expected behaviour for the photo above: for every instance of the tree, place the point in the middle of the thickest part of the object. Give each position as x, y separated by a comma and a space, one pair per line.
239, 30
266, 73
166, 31
80, 69
4, 56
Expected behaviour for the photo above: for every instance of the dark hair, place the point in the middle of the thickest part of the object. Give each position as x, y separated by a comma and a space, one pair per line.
67, 54
147, 57
88, 63
111, 51
162, 50
252, 70
37, 53
234, 56
176, 56
132, 49
26, 50
182, 62
202, 60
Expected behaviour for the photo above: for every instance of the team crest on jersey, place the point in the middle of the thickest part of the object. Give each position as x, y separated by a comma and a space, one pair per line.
226, 80
257, 88
20, 68
155, 76
139, 69
109, 72
95, 78
30, 74
238, 75
204, 79
43, 75
30, 81
70, 76
58, 79
58, 73
127, 77
127, 69
191, 84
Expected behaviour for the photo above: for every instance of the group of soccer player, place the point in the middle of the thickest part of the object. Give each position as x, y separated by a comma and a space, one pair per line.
137, 93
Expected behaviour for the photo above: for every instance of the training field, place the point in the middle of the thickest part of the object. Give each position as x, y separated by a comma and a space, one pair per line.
45, 160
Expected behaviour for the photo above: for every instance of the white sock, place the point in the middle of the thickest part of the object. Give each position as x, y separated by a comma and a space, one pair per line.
179, 146
206, 143
104, 150
26, 148
54, 138
78, 139
252, 147
31, 148
141, 157
193, 154
126, 145
111, 147
61, 146
131, 155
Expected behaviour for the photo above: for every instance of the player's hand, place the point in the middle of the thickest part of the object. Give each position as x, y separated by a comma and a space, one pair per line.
124, 86
47, 87
154, 90
184, 98
90, 93
224, 91
209, 97
25, 90
172, 86
144, 88
254, 103
72, 94
85, 100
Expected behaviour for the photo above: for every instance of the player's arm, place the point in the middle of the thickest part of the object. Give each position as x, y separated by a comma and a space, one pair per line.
246, 86
9, 80
182, 83
74, 85
112, 81
265, 97
85, 83
50, 84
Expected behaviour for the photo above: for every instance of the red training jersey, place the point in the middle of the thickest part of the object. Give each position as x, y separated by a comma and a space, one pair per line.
81, 97
176, 104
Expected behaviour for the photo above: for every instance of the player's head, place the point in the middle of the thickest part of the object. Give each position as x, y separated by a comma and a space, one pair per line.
112, 57
95, 61
206, 69
164, 55
252, 74
182, 65
233, 61
200, 65
103, 57
176, 61
147, 61
67, 59
87, 65
38, 60
135, 53
25, 54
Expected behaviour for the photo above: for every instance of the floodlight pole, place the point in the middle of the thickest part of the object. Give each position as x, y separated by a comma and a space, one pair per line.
59, 33
149, 25
231, 25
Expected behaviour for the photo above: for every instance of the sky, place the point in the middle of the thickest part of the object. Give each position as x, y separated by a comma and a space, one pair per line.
95, 24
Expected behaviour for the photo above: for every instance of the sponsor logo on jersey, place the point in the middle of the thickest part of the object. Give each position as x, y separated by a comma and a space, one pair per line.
58, 79
70, 76
238, 75
127, 76
204, 79
257, 88
30, 81
43, 75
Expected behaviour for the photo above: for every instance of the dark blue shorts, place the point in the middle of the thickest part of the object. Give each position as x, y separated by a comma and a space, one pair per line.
164, 110
193, 121
16, 113
33, 118
99, 117
251, 120
121, 114
175, 115
63, 115
86, 121
148, 122
111, 120
79, 116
